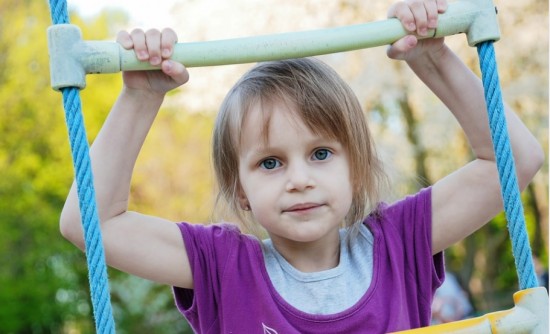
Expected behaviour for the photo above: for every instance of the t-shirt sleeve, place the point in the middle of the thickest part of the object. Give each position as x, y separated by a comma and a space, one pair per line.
407, 228
208, 248
415, 224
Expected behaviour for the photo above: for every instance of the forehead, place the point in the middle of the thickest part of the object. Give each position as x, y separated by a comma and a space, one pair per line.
265, 124
264, 119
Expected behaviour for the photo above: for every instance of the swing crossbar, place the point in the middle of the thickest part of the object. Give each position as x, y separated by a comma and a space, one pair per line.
528, 316
71, 58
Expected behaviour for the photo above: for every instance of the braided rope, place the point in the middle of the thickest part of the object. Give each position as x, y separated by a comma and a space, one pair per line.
95, 257
513, 207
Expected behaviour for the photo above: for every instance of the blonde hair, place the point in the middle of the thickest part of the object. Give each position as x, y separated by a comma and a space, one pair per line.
325, 104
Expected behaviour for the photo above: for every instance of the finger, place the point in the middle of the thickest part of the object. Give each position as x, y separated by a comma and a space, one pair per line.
420, 17
392, 10
138, 38
123, 38
176, 71
402, 12
167, 41
152, 40
432, 13
398, 49
442, 6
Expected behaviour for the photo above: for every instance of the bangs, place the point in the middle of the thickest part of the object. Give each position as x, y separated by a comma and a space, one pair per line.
321, 121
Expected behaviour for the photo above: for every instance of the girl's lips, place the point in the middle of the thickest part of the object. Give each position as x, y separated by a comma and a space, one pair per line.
302, 207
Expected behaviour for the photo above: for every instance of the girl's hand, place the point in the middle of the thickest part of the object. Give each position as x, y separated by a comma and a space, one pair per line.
417, 16
155, 47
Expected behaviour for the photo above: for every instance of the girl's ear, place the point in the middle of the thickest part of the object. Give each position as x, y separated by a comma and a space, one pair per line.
243, 200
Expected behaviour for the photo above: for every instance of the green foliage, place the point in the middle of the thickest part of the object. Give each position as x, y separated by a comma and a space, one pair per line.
142, 307
35, 263
43, 279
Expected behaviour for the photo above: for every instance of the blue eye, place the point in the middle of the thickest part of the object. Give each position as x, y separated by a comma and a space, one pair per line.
270, 163
321, 154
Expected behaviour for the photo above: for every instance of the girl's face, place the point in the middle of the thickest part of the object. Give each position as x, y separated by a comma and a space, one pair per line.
296, 183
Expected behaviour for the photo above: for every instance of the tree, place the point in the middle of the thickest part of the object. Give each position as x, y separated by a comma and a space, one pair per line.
43, 279
36, 269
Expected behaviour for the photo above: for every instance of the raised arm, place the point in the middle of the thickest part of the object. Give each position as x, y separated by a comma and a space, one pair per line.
142, 245
465, 200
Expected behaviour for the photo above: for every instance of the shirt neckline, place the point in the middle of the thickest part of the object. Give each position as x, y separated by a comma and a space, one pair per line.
310, 276
304, 316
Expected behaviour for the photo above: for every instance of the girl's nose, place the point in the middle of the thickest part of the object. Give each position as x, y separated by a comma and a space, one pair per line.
299, 178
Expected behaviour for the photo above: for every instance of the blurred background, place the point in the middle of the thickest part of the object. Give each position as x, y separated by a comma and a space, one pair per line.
43, 279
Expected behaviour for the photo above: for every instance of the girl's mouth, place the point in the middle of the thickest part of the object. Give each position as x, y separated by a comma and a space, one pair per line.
302, 207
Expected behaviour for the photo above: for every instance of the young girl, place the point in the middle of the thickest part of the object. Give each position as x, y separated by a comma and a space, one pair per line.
293, 154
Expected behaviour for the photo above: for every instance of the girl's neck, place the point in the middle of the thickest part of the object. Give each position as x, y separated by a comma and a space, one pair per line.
309, 257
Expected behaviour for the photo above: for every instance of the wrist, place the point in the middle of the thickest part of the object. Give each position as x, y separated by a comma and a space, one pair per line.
142, 95
140, 102
431, 60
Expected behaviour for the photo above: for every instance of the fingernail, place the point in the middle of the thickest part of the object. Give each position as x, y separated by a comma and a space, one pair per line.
154, 60
411, 26
423, 32
167, 66
143, 55
166, 53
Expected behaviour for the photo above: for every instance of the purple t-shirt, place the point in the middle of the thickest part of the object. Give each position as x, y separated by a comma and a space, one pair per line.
233, 293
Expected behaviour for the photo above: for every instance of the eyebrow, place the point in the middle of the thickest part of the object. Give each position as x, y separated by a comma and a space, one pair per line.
262, 149
259, 151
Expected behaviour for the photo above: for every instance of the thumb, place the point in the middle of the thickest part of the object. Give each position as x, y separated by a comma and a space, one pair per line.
398, 49
176, 71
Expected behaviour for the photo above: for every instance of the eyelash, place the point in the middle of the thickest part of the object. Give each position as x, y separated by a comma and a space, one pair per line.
278, 163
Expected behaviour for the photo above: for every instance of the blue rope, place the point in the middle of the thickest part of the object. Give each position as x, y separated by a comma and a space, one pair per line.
513, 207
95, 257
